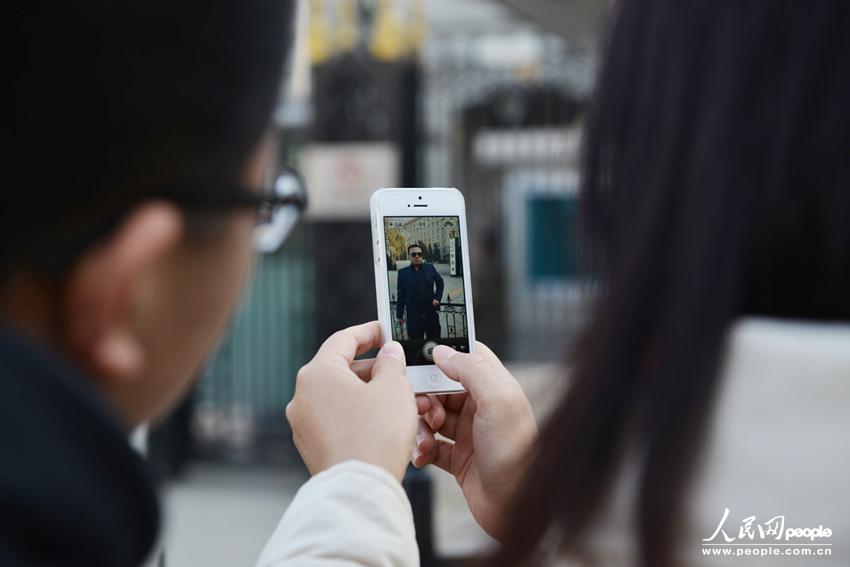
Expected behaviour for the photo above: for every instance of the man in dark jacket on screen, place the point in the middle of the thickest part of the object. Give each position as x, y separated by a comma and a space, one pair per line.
419, 291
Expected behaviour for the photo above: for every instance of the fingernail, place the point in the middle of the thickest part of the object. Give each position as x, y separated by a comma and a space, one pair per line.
432, 414
393, 350
442, 353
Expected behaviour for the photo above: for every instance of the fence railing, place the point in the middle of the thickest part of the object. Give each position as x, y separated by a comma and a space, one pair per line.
452, 317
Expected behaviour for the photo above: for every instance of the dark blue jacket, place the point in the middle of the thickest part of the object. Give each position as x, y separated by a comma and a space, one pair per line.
406, 290
72, 490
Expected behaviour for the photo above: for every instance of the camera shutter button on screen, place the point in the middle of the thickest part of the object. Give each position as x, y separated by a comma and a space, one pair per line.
428, 350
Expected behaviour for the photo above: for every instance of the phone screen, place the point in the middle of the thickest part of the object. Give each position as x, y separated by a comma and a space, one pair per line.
425, 274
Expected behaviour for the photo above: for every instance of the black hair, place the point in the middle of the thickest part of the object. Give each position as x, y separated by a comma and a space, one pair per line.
117, 102
413, 246
715, 184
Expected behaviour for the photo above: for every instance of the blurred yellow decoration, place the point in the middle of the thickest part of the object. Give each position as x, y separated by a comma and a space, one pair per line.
320, 42
418, 27
388, 41
346, 36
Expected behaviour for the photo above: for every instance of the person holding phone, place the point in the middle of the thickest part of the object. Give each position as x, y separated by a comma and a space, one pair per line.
123, 259
140, 146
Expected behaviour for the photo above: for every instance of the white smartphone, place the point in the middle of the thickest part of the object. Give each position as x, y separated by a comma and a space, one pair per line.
422, 278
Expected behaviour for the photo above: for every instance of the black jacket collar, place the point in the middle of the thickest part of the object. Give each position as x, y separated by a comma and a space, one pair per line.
72, 490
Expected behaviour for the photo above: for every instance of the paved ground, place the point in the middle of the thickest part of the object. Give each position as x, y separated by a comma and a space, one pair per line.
221, 515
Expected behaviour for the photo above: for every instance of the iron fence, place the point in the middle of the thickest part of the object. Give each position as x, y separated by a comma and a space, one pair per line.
452, 317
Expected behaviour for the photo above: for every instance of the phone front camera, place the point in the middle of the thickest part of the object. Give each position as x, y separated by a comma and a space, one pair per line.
420, 197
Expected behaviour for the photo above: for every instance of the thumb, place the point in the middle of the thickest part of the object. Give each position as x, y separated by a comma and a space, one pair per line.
473, 371
389, 364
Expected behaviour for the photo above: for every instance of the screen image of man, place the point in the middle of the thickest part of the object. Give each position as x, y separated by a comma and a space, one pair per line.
420, 291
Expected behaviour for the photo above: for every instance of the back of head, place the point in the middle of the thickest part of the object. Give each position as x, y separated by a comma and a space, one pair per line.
715, 185
116, 102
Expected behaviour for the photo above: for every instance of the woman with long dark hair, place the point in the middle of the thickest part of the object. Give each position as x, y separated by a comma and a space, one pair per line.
708, 394
715, 188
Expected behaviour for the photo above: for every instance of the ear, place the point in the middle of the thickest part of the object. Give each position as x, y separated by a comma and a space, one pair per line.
98, 297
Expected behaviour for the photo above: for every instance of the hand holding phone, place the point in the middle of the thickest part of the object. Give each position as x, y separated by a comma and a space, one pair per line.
422, 279
488, 434
372, 395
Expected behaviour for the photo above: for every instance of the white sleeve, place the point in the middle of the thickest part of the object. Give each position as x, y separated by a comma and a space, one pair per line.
351, 514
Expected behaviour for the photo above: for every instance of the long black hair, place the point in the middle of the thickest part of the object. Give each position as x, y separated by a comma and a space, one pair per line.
113, 103
715, 184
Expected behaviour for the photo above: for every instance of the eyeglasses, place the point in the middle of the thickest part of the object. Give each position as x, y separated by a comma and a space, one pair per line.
279, 205
418, 254
279, 210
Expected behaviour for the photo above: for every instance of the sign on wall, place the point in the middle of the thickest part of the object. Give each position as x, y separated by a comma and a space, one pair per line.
341, 177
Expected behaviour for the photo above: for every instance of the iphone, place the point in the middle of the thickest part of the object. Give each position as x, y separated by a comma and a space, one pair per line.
422, 279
